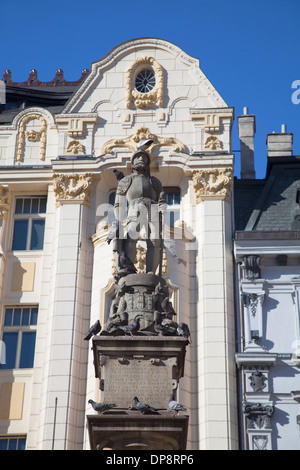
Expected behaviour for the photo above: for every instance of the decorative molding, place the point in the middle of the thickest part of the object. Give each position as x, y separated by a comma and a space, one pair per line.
72, 188
76, 123
253, 316
250, 266
32, 135
4, 201
260, 442
258, 415
252, 301
152, 98
213, 183
101, 233
143, 133
212, 143
75, 148
258, 380
212, 120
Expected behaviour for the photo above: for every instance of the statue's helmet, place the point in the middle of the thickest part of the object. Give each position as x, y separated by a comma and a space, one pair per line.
138, 153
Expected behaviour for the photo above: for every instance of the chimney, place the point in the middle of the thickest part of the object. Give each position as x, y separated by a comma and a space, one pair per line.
246, 128
280, 144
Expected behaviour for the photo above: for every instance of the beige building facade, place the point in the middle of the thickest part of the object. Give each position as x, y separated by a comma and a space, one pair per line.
57, 190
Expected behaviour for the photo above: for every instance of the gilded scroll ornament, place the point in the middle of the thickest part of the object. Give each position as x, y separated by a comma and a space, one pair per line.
72, 187
141, 134
32, 135
213, 183
153, 97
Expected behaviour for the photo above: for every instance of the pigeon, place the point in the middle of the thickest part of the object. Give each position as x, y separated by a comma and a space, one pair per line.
167, 306
183, 330
125, 263
101, 407
113, 233
118, 174
130, 329
175, 406
164, 330
93, 330
144, 144
143, 407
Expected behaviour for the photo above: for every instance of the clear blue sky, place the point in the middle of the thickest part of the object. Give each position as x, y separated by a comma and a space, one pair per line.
249, 50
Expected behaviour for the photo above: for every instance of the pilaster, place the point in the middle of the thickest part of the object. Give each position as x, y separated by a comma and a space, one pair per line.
216, 367
65, 371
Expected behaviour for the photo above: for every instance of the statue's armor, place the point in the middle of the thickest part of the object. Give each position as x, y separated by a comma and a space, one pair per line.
139, 186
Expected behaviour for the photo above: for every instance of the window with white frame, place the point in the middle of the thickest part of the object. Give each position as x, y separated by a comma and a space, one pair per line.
12, 443
29, 223
18, 336
173, 197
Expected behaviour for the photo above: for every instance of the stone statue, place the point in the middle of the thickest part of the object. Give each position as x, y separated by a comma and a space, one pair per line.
145, 198
140, 201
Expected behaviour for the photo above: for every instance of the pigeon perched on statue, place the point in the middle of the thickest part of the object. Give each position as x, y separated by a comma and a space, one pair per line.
125, 263
183, 330
131, 328
175, 406
118, 174
101, 407
93, 330
143, 407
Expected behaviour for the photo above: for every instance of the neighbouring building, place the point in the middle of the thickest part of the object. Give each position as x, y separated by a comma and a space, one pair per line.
230, 259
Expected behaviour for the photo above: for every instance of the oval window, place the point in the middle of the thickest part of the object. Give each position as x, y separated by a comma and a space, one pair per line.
145, 81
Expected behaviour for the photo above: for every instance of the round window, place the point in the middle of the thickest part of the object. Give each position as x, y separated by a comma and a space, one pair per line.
145, 81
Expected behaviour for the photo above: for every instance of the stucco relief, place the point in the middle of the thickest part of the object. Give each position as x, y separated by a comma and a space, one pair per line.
213, 183
152, 98
4, 201
141, 134
32, 135
72, 187
212, 143
75, 148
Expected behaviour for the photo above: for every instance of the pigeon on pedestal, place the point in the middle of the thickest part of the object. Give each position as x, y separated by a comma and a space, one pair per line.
175, 406
183, 330
93, 330
130, 329
101, 407
143, 407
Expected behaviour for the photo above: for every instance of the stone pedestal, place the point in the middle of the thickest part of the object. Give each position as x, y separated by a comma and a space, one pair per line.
134, 431
148, 367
